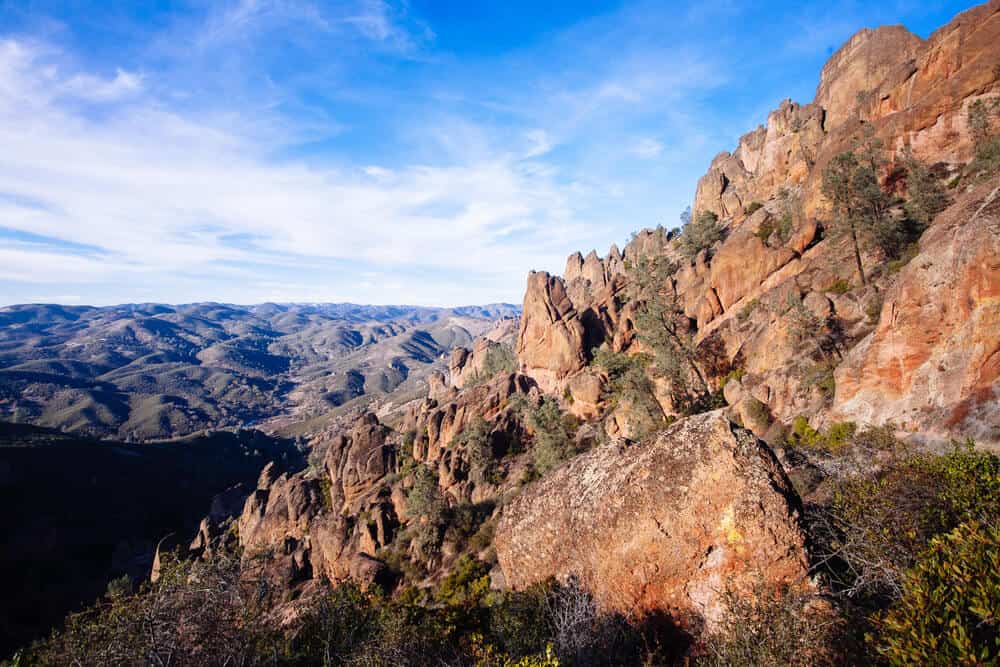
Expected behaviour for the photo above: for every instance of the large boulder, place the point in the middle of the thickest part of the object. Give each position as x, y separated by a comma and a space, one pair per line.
663, 526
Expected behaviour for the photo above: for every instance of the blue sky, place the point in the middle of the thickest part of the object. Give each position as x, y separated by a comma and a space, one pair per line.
373, 151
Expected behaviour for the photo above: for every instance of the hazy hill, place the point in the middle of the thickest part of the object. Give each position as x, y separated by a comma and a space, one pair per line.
142, 371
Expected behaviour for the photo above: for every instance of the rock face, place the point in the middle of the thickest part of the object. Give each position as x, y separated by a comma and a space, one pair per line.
860, 65
436, 423
933, 363
664, 525
740, 295
907, 90
307, 523
550, 344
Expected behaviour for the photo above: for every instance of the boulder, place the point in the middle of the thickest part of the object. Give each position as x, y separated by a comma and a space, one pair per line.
662, 526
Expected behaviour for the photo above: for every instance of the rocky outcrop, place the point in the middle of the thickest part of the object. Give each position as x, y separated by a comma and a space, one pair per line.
933, 363
550, 344
739, 295
777, 155
436, 422
859, 67
665, 525
337, 524
906, 90
466, 366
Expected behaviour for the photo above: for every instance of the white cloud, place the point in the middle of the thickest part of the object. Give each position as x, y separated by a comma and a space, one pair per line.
647, 148
539, 143
96, 89
374, 20
166, 193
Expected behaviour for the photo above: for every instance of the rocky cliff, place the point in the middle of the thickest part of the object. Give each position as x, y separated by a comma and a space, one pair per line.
891, 86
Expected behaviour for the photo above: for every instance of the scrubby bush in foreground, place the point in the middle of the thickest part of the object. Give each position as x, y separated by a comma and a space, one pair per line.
949, 612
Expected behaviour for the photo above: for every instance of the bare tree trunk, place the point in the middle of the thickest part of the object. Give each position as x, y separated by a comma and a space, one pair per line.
857, 256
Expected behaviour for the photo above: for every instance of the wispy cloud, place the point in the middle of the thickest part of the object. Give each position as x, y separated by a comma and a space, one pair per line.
647, 148
97, 89
376, 20
167, 193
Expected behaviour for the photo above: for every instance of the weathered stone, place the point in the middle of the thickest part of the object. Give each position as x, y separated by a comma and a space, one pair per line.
933, 362
550, 345
664, 525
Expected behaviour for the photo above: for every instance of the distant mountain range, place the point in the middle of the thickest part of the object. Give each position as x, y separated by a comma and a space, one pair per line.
155, 371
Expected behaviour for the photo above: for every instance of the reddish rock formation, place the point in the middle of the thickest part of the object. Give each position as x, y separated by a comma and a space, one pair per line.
664, 525
550, 344
933, 363
908, 90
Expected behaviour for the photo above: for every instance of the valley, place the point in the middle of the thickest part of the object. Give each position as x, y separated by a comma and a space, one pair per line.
151, 371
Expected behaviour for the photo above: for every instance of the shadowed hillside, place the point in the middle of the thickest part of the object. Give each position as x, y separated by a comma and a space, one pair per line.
78, 512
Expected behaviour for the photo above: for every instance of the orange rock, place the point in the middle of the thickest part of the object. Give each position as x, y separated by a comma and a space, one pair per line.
665, 525
933, 362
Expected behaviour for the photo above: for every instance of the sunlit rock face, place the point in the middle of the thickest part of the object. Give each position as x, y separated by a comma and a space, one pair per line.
660, 526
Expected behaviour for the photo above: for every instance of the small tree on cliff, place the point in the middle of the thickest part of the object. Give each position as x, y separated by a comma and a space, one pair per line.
425, 507
860, 208
982, 115
663, 327
629, 385
926, 197
699, 234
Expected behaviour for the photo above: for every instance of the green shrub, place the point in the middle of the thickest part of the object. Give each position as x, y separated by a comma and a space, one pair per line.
406, 442
839, 286
925, 196
765, 230
839, 435
628, 384
553, 435
771, 626
835, 440
700, 234
326, 490
981, 119
500, 359
786, 224
466, 585
873, 309
949, 613
477, 441
747, 310
803, 325
425, 509
821, 376
758, 411
905, 257
197, 613
803, 435
464, 521
517, 619
878, 524
735, 374
119, 587
754, 207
